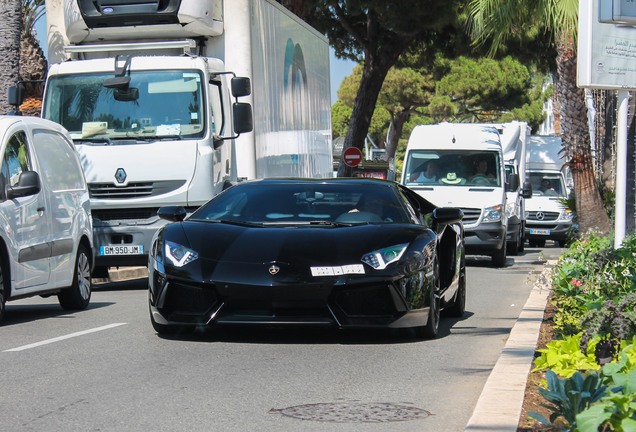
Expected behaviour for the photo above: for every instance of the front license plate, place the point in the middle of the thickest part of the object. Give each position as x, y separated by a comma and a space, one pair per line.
121, 250
540, 231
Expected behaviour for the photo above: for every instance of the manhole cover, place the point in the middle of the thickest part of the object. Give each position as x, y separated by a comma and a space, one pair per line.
354, 412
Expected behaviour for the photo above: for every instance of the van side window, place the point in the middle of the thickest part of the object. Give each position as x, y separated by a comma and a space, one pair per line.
15, 160
59, 163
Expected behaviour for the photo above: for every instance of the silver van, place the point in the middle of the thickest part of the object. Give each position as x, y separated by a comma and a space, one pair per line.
45, 221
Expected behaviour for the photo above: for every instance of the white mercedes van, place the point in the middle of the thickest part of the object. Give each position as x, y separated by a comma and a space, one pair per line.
45, 222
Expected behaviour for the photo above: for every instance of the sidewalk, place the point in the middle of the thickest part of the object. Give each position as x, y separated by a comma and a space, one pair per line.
499, 406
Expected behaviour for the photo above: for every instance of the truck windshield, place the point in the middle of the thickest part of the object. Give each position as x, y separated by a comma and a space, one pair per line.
155, 104
547, 184
453, 168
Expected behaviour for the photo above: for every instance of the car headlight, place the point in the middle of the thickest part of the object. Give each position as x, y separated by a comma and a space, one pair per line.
179, 255
566, 216
381, 258
492, 214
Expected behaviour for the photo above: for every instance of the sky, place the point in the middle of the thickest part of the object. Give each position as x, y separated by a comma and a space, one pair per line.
339, 69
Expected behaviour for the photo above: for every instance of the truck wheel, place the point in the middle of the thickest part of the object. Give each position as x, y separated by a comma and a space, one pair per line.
499, 257
78, 295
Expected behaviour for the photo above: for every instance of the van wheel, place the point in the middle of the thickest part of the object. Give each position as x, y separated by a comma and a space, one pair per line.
78, 295
3, 298
499, 257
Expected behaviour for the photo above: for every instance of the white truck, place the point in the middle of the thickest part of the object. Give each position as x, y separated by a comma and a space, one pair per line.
462, 165
547, 216
514, 137
149, 93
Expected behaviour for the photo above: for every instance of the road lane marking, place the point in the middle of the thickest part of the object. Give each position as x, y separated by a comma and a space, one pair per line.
68, 336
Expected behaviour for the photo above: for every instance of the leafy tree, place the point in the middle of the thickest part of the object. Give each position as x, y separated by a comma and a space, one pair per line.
494, 22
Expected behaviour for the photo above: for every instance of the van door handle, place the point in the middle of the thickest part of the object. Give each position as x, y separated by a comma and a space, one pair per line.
40, 209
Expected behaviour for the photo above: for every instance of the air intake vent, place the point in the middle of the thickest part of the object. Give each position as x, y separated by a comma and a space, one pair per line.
122, 13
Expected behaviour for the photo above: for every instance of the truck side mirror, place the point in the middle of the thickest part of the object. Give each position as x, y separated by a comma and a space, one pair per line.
243, 121
526, 191
15, 95
241, 86
513, 183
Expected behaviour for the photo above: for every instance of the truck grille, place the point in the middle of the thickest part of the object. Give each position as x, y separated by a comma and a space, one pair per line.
471, 216
147, 215
133, 190
542, 216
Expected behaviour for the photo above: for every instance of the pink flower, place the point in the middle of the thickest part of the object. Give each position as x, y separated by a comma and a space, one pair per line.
577, 282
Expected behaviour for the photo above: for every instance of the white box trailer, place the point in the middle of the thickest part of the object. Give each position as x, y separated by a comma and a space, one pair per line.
547, 217
470, 174
145, 90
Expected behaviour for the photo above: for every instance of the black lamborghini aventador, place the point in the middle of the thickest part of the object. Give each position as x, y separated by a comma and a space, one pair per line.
342, 253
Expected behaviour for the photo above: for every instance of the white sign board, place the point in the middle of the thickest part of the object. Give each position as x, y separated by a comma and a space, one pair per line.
606, 52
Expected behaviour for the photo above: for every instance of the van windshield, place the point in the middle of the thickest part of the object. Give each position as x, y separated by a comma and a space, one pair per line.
453, 168
547, 184
155, 104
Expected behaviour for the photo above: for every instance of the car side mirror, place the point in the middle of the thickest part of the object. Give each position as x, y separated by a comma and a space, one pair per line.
447, 215
172, 213
28, 184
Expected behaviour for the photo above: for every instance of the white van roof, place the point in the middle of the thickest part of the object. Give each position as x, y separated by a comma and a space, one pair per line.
454, 136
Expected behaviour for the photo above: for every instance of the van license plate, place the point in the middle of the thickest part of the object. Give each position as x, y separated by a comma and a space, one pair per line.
540, 231
121, 250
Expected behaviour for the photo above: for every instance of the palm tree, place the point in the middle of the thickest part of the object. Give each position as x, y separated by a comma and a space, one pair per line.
495, 21
33, 64
10, 24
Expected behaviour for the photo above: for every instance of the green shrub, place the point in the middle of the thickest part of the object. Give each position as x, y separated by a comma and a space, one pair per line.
565, 358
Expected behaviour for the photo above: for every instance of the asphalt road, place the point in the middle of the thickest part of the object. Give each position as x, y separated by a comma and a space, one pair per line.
104, 369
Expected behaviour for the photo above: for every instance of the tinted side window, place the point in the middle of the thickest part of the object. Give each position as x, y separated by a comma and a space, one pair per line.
58, 161
15, 160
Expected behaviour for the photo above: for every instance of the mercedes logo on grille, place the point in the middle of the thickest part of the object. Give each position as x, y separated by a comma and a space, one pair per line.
120, 175
274, 270
540, 216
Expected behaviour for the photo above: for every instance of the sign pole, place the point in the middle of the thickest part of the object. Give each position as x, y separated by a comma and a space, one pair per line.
621, 169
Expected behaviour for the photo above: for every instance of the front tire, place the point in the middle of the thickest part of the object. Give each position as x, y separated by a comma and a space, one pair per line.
429, 331
78, 295
3, 298
458, 307
499, 257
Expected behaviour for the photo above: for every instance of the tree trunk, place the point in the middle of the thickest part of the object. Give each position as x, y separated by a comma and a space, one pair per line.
395, 132
370, 85
576, 140
10, 25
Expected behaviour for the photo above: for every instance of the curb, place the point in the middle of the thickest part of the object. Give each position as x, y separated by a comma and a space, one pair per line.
499, 405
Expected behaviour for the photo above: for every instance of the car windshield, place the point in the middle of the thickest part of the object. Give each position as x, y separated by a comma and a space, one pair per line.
154, 105
305, 203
